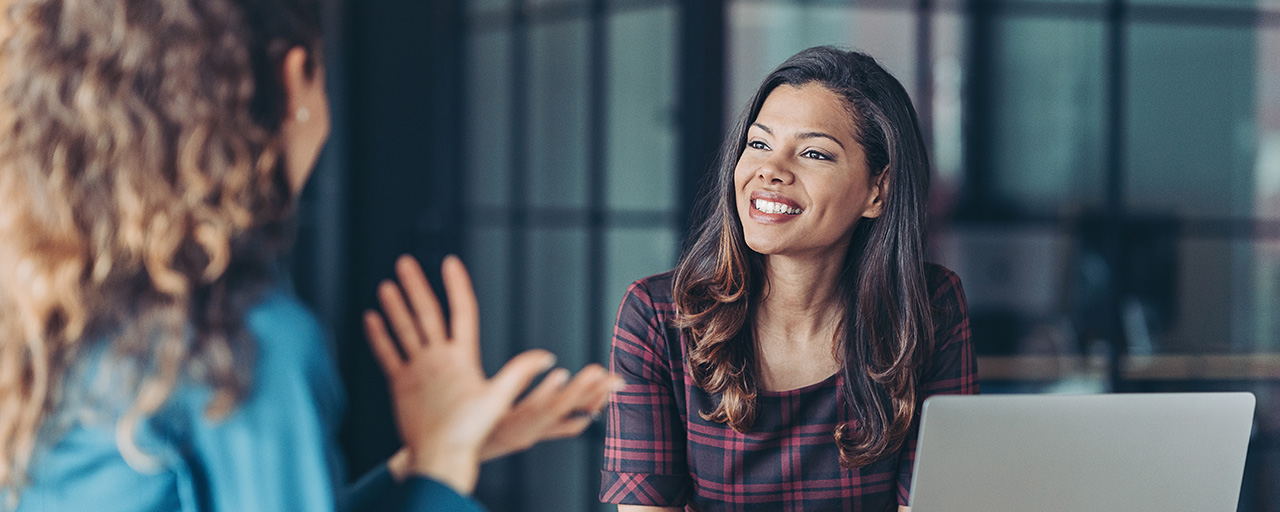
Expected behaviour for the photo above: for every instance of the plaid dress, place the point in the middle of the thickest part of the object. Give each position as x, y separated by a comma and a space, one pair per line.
660, 452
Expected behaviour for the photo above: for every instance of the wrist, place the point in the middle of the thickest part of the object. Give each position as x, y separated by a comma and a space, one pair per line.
398, 465
453, 467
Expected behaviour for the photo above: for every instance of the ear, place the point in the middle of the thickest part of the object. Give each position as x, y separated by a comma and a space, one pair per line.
879, 194
300, 76
305, 124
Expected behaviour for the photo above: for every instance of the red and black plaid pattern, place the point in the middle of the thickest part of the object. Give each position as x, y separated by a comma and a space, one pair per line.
660, 452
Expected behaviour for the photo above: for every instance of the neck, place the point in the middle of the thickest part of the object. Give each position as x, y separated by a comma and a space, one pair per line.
800, 302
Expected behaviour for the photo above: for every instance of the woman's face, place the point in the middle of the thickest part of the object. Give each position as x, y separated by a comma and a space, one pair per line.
802, 182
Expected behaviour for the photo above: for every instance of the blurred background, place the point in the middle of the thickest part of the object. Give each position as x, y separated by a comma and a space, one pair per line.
1107, 183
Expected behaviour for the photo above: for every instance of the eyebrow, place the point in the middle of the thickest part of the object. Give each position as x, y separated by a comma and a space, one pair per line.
805, 135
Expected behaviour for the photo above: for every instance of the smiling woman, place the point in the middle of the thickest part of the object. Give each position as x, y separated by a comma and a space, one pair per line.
782, 364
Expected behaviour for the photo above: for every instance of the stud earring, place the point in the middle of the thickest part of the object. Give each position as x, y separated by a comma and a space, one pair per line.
302, 115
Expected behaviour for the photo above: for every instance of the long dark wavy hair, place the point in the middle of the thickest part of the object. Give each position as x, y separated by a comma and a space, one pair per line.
143, 200
886, 330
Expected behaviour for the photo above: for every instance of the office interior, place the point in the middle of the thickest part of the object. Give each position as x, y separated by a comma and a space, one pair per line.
1106, 183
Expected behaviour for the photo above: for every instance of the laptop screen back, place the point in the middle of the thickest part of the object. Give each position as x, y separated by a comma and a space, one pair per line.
1095, 453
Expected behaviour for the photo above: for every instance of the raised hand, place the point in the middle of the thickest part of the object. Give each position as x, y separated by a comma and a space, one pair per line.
445, 407
553, 410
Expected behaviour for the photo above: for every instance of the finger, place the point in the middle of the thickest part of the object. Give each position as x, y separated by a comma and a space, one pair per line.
576, 395
598, 397
401, 319
568, 428
464, 312
427, 314
546, 390
516, 375
384, 349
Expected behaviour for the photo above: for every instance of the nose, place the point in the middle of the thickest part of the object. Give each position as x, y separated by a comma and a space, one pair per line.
775, 170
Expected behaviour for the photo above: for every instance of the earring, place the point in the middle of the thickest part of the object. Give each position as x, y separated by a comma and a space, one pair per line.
302, 114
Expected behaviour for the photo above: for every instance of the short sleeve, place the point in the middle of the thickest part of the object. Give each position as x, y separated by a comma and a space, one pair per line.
276, 451
644, 457
952, 368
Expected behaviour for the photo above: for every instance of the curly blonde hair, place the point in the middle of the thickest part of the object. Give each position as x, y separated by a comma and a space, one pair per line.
142, 197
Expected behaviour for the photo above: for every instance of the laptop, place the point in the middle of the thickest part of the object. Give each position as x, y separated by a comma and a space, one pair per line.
1165, 452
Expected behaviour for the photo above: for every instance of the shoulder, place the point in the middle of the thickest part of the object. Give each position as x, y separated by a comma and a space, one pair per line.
293, 354
651, 299
284, 330
941, 282
646, 318
950, 309
657, 288
946, 296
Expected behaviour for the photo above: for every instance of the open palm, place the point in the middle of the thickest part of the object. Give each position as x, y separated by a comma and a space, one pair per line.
445, 406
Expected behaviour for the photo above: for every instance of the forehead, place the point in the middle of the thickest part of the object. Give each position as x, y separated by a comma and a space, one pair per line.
807, 108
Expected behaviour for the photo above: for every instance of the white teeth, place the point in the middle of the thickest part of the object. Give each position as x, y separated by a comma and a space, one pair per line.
775, 208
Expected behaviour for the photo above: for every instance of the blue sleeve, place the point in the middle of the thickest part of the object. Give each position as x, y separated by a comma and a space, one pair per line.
424, 494
376, 490
277, 451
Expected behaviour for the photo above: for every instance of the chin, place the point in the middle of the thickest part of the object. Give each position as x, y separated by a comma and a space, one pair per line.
763, 247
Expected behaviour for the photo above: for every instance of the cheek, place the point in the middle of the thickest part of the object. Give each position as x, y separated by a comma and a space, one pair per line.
741, 177
741, 174
851, 207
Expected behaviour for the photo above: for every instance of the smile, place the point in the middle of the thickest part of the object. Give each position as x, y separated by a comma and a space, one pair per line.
774, 208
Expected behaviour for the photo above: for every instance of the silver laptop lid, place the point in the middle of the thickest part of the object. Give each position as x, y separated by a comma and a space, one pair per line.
1086, 453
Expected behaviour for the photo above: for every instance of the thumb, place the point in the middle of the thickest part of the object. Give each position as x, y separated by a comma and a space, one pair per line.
518, 373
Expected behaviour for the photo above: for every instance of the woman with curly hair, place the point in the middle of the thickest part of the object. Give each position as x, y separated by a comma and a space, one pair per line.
151, 357
783, 363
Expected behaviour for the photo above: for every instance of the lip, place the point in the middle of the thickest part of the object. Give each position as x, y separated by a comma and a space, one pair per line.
770, 218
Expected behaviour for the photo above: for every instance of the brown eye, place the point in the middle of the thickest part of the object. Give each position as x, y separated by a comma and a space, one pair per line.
816, 155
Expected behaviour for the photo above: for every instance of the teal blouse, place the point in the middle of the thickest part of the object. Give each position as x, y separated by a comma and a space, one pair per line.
276, 451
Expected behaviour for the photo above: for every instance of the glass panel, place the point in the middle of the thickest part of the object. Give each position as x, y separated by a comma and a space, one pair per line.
949, 35
1191, 128
487, 255
557, 476
1264, 279
1267, 108
1218, 273
555, 319
488, 157
762, 35
632, 254
1014, 280
1029, 292
557, 125
542, 3
1207, 3
642, 103
487, 5
1046, 136
555, 294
